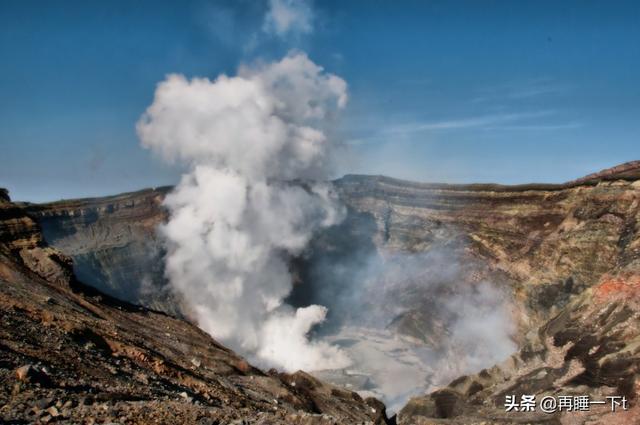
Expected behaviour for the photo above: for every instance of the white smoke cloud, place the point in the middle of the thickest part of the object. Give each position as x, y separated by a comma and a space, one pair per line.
411, 322
236, 217
481, 333
286, 17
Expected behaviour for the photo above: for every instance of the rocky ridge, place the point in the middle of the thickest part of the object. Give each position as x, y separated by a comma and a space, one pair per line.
553, 247
113, 242
70, 354
590, 348
544, 243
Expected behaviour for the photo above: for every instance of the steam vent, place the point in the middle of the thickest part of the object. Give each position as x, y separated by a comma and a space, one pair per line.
90, 331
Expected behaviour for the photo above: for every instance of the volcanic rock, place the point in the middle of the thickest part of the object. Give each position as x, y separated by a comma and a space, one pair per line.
568, 254
589, 349
91, 348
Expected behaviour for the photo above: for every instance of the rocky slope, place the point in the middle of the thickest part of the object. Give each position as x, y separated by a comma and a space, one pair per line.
70, 354
545, 242
569, 253
591, 348
113, 242
550, 247
534, 233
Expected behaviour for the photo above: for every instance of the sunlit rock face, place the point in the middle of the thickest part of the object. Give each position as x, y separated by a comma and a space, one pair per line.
547, 242
541, 246
587, 349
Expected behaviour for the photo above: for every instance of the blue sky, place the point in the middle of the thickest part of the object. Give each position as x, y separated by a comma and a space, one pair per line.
454, 91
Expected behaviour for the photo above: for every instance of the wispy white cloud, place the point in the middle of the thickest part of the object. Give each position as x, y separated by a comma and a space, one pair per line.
524, 121
289, 17
520, 90
236, 27
220, 22
539, 127
357, 142
483, 121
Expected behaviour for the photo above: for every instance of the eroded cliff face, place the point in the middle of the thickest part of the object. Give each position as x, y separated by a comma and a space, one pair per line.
547, 243
114, 244
70, 354
548, 246
23, 241
535, 234
590, 348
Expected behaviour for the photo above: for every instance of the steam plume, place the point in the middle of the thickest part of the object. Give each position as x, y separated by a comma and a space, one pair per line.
235, 217
410, 322
289, 17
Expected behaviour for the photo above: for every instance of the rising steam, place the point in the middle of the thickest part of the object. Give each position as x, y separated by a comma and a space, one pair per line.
235, 217
249, 212
410, 322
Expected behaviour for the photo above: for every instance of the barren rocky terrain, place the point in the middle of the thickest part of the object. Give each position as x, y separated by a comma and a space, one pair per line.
71, 354
589, 349
568, 255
